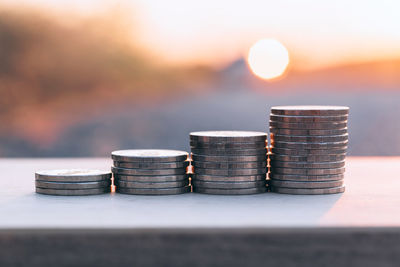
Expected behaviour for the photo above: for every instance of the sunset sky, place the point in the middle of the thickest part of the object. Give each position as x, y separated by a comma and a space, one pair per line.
316, 33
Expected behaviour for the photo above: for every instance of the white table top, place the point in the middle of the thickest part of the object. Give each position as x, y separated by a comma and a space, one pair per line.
372, 198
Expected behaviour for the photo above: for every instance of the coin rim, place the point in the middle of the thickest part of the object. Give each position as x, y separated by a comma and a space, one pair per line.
302, 191
72, 186
160, 191
94, 191
245, 191
306, 185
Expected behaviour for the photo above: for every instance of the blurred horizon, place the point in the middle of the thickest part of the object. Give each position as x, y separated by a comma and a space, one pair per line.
330, 34
83, 78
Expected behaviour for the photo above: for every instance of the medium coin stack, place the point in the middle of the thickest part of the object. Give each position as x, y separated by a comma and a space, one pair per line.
151, 172
229, 162
73, 182
308, 149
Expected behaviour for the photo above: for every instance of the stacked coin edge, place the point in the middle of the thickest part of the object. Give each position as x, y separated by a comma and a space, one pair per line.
308, 149
72, 182
150, 172
228, 162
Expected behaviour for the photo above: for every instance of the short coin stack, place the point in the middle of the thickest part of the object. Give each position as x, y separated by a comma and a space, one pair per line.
72, 182
308, 149
229, 162
151, 172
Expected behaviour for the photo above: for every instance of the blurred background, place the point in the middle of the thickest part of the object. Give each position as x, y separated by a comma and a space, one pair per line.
83, 78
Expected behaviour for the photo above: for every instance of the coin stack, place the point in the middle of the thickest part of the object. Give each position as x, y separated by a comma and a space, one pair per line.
229, 162
308, 149
151, 172
73, 182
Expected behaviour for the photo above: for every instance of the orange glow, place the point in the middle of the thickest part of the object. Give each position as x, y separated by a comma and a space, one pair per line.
268, 59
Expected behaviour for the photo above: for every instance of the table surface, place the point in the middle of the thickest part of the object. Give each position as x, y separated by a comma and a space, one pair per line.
372, 198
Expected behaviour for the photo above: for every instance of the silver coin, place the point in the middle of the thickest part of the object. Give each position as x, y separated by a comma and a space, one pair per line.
228, 185
311, 139
150, 179
73, 192
303, 191
310, 125
291, 119
141, 172
230, 172
151, 165
310, 110
217, 178
307, 171
228, 136
252, 145
244, 191
158, 191
310, 165
126, 184
74, 185
296, 184
226, 152
310, 158
298, 145
149, 155
308, 132
257, 158
72, 175
229, 165
309, 178
307, 152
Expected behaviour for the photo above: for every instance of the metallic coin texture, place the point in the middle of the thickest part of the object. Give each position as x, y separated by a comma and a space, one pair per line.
306, 178
217, 178
258, 158
151, 165
307, 119
228, 185
73, 185
71, 192
307, 132
228, 136
245, 191
221, 146
141, 172
297, 145
310, 158
307, 152
150, 179
310, 165
295, 184
226, 152
309, 139
310, 110
314, 191
157, 192
149, 155
310, 125
126, 184
72, 175
307, 171
230, 172
228, 165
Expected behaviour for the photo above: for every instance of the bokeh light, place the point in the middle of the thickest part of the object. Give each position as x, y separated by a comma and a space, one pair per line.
268, 58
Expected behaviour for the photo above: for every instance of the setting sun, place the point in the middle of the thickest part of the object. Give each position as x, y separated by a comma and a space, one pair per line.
268, 59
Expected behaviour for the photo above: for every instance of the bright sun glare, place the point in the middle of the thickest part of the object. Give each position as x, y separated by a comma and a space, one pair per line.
268, 59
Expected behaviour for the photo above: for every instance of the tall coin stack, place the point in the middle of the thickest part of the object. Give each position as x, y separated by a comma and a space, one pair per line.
72, 182
229, 162
150, 172
308, 149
